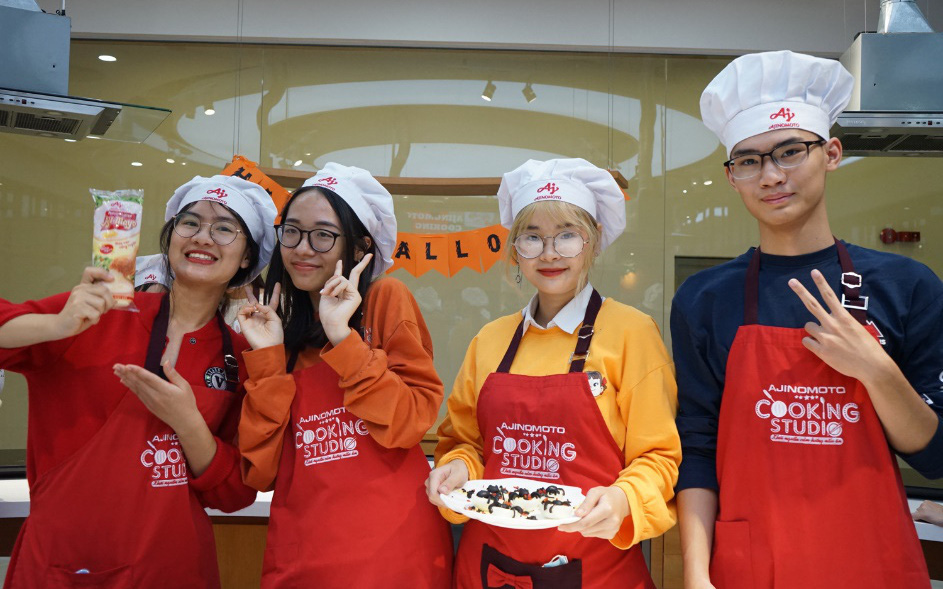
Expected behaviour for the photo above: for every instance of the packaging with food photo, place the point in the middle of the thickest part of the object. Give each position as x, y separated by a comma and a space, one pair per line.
117, 236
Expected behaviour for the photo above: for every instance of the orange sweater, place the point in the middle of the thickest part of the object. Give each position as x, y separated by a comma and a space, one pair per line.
389, 381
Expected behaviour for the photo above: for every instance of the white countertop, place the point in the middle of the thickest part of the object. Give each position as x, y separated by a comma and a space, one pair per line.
14, 502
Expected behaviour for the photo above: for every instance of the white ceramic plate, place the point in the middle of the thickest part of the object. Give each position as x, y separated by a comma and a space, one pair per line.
458, 502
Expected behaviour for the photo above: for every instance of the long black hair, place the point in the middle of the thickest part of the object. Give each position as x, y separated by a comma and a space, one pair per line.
242, 274
302, 328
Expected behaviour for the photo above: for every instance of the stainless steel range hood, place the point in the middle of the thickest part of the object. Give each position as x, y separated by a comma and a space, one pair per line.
34, 83
896, 108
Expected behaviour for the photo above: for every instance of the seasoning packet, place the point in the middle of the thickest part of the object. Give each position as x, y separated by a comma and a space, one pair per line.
116, 238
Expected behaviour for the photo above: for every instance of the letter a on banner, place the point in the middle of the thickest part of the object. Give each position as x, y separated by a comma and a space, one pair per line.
408, 246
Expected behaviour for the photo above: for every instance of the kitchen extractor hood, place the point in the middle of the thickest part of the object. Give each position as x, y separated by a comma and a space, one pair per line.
896, 107
34, 83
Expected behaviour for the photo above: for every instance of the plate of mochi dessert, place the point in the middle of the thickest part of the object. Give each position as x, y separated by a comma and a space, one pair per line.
521, 504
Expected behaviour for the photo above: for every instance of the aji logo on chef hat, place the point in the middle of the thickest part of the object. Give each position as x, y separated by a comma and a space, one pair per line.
571, 180
246, 199
150, 270
762, 92
370, 201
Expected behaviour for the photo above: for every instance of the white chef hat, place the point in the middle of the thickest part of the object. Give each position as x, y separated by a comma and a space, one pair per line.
150, 270
372, 204
762, 92
246, 199
575, 181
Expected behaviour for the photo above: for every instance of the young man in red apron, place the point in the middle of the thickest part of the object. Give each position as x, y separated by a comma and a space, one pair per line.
574, 390
803, 365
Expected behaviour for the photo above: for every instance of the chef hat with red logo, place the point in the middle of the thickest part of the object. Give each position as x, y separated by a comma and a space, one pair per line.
246, 199
762, 92
150, 270
370, 201
575, 181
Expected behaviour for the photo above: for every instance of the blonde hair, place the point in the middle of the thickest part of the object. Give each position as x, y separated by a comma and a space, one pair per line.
560, 213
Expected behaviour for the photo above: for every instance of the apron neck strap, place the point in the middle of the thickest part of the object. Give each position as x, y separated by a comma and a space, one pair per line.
155, 347
584, 338
851, 297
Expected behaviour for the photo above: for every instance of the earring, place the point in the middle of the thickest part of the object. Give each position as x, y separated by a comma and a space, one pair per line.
517, 278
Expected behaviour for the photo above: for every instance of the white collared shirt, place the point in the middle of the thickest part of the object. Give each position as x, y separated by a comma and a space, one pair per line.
569, 318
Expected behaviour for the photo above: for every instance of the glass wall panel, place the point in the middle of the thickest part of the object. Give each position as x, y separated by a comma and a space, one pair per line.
420, 113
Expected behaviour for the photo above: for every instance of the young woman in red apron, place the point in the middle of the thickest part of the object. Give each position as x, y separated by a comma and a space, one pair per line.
119, 478
337, 431
621, 446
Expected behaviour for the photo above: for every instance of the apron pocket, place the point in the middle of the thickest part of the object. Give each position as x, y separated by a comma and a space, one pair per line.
116, 578
499, 570
732, 559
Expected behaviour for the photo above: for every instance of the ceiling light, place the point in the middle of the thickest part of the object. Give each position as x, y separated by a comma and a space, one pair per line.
107, 58
298, 163
708, 182
170, 160
137, 164
210, 111
529, 94
488, 93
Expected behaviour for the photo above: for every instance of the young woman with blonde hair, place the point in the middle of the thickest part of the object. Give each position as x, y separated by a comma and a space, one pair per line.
591, 373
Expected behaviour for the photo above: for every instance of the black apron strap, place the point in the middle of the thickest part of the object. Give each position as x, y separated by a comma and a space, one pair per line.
751, 290
851, 297
230, 363
155, 348
584, 338
505, 365
585, 333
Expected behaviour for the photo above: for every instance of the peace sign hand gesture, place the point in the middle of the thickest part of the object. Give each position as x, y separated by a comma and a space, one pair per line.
260, 323
838, 339
340, 299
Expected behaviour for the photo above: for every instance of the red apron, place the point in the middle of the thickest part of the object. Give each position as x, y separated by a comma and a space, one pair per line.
348, 512
810, 493
119, 513
546, 428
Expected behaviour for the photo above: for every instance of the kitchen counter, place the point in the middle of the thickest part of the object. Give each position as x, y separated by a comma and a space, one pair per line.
14, 503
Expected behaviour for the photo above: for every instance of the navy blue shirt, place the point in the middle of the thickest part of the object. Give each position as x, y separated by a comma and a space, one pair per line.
905, 304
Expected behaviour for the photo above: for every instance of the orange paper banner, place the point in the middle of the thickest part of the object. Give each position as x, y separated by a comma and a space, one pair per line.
448, 253
249, 170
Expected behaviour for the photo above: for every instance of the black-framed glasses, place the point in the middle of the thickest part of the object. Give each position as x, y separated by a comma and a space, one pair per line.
223, 232
785, 156
320, 240
567, 244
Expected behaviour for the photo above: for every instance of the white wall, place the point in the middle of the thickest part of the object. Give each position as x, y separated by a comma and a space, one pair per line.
823, 27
